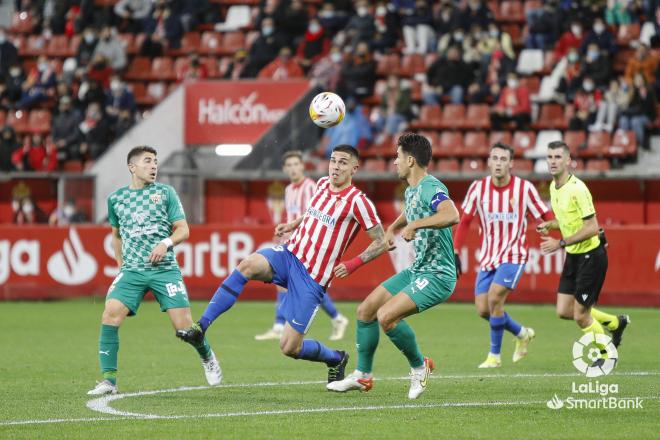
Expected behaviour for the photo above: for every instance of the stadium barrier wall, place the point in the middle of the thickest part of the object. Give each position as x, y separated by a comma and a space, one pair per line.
40, 263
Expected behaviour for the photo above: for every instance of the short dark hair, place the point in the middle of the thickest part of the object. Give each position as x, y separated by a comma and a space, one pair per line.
292, 153
138, 151
503, 146
559, 144
345, 148
417, 146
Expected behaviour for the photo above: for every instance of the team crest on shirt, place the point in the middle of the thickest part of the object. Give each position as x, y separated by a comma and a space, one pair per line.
156, 198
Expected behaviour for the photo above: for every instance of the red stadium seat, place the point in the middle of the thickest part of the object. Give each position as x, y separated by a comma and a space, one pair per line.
624, 143
453, 116
451, 144
533, 84
499, 136
476, 144
512, 11
523, 141
433, 138
232, 41
472, 166
58, 46
74, 44
3, 117
429, 117
477, 117
72, 166
21, 23
412, 64
575, 140
35, 45
551, 117
447, 166
180, 66
39, 121
388, 64
378, 165
211, 43
598, 145
628, 33
599, 165
190, 43
162, 68
18, 120
139, 69
577, 164
129, 43
523, 166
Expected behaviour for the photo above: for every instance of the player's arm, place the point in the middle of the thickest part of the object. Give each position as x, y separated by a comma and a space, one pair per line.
377, 246
179, 235
285, 228
546, 226
589, 229
446, 215
116, 246
392, 229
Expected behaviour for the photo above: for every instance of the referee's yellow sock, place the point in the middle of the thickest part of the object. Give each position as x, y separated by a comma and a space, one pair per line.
609, 321
596, 328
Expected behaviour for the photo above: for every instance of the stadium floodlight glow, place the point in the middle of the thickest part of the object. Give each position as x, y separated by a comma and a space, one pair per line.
233, 149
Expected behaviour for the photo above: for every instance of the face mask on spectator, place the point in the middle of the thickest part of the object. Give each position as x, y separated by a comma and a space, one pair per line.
588, 86
572, 57
28, 208
335, 57
42, 66
512, 83
458, 36
576, 30
494, 33
68, 211
362, 11
592, 55
89, 38
14, 71
381, 10
599, 28
15, 205
267, 31
115, 85
3, 38
314, 28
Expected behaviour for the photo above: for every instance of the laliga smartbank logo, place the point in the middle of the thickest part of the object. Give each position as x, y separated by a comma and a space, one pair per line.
594, 356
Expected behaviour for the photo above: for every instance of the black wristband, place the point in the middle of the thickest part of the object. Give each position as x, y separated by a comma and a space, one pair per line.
562, 243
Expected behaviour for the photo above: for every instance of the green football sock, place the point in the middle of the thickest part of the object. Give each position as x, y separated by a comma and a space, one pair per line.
609, 321
368, 333
204, 349
108, 348
403, 337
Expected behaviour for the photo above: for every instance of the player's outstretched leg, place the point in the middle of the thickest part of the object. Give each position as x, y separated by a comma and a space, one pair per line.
114, 314
294, 345
275, 332
339, 321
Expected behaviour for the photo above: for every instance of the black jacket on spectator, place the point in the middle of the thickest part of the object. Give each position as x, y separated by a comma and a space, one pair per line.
447, 74
8, 144
173, 29
358, 78
642, 106
8, 56
65, 127
482, 15
292, 23
362, 28
263, 51
85, 52
605, 41
600, 70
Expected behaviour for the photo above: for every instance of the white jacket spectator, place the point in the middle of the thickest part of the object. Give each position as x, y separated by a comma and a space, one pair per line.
111, 48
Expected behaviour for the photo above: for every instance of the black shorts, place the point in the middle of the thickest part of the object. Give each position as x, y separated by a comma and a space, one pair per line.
584, 274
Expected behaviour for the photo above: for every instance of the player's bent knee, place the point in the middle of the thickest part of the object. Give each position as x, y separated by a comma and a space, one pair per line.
385, 320
365, 312
113, 313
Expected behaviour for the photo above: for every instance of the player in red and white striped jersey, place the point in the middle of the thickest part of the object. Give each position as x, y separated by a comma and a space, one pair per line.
297, 196
502, 202
309, 261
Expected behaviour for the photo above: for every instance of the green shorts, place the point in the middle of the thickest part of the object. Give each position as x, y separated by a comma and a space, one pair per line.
425, 289
130, 286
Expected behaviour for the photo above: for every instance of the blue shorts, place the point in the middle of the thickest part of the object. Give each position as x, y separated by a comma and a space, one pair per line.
507, 275
304, 295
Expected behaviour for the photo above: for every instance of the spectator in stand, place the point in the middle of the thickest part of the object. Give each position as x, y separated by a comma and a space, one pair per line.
361, 27
615, 98
91, 91
8, 145
387, 27
119, 99
111, 49
354, 130
358, 75
586, 102
131, 14
65, 129
543, 26
640, 111
569, 81
5, 102
194, 70
236, 69
166, 24
314, 45
35, 156
86, 47
448, 77
331, 19
571, 39
489, 42
418, 33
477, 12
39, 85
456, 38
153, 46
67, 214
8, 53
14, 83
491, 77
292, 19
596, 66
513, 106
264, 49
600, 36
471, 54
283, 67
99, 70
644, 63
26, 212
650, 32
448, 19
326, 72
395, 107
95, 133
617, 13
124, 123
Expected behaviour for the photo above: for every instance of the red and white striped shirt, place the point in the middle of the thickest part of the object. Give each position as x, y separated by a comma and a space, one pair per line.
328, 227
503, 215
297, 197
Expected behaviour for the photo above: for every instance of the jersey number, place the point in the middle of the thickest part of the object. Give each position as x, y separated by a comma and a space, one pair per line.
173, 289
278, 248
421, 283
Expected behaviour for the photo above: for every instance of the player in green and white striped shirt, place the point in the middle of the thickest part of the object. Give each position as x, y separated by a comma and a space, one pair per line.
147, 220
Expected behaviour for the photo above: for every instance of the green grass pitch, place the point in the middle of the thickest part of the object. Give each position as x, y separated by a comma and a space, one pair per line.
48, 361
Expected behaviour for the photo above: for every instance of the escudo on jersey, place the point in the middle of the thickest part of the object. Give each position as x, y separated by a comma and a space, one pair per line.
144, 217
329, 224
434, 248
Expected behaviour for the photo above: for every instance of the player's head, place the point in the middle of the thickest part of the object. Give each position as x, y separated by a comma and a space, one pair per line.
292, 165
143, 163
500, 160
412, 150
559, 158
343, 164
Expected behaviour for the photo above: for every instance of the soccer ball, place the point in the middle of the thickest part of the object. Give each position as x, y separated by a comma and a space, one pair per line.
327, 109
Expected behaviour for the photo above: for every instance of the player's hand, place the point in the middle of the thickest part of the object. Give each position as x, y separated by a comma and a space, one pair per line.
543, 228
408, 233
341, 271
549, 244
459, 266
282, 229
389, 240
158, 253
